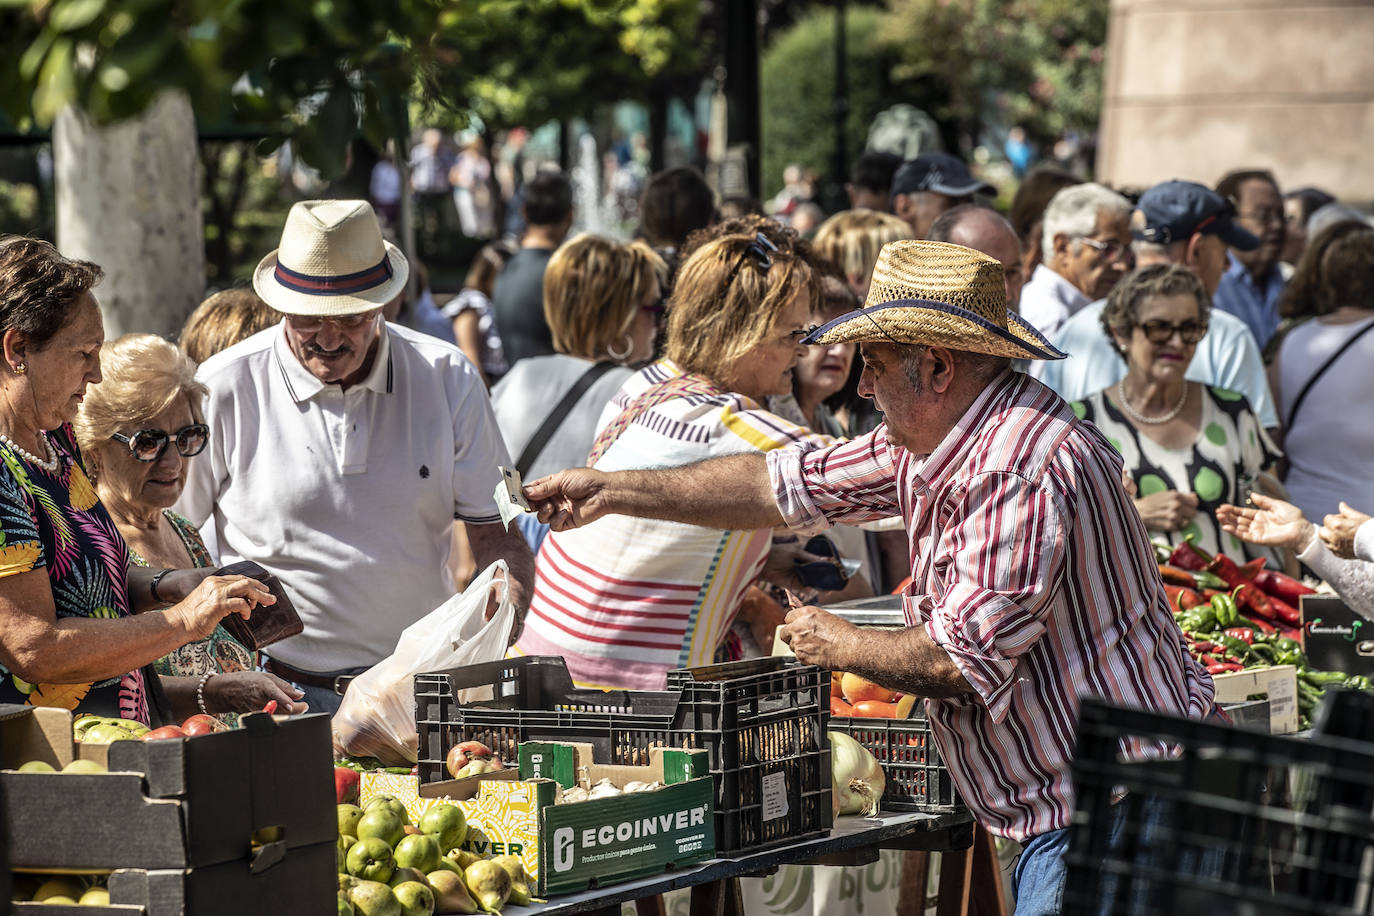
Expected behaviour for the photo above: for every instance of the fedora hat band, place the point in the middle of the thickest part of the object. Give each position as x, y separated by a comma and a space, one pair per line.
345, 285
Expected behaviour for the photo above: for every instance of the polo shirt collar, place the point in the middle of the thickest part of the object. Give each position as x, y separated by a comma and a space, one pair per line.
303, 385
1060, 288
1242, 273
947, 456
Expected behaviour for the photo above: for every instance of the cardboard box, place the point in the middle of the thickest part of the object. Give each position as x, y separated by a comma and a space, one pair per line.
605, 841
173, 804
1335, 637
1279, 685
502, 812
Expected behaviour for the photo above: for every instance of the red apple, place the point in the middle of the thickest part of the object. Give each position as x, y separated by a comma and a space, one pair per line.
346, 785
460, 755
201, 724
166, 731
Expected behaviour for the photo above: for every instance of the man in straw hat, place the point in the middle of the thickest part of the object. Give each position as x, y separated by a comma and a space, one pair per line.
342, 448
1033, 580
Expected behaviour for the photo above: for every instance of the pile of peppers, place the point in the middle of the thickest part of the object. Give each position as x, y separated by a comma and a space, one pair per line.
1243, 617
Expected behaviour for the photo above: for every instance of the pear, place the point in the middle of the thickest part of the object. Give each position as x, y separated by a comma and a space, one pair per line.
403, 874
447, 824
84, 766
519, 882
416, 898
49, 890
95, 896
391, 803
463, 858
346, 883
38, 766
489, 884
349, 815
370, 898
345, 908
451, 893
419, 851
382, 823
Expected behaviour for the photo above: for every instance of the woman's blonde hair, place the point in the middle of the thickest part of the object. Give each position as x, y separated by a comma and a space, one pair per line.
224, 319
725, 301
851, 239
143, 375
593, 287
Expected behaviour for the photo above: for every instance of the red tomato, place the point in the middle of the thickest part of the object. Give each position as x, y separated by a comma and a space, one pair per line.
201, 724
839, 707
875, 709
166, 731
857, 689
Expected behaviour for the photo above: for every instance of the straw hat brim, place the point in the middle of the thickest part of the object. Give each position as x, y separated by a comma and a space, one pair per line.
923, 321
292, 302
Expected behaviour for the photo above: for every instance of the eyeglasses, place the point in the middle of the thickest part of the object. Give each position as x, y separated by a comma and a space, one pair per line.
310, 323
761, 249
1111, 250
1264, 217
657, 307
1158, 332
149, 445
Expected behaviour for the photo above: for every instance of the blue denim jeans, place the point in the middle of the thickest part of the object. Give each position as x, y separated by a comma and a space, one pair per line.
1038, 880
323, 699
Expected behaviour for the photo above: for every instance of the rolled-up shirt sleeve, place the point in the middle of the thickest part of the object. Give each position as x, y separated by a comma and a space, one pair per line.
850, 482
996, 569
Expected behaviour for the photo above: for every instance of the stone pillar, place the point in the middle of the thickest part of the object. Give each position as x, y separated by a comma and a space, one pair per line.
128, 198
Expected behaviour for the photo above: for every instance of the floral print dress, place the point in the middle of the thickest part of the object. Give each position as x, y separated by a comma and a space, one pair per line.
54, 521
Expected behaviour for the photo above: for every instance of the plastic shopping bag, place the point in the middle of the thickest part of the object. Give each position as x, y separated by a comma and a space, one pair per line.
377, 716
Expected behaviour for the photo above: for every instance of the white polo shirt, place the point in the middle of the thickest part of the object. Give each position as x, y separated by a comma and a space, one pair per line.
347, 496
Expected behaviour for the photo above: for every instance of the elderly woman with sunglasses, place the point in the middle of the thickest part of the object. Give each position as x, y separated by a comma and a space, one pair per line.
139, 428
624, 600
71, 631
1190, 448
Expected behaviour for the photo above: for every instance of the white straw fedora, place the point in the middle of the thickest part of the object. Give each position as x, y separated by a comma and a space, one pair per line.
332, 262
938, 294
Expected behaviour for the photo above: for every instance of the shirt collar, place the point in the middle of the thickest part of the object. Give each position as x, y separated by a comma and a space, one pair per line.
942, 462
1239, 271
303, 385
1059, 288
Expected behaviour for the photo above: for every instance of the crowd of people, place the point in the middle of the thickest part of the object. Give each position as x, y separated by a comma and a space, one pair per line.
994, 416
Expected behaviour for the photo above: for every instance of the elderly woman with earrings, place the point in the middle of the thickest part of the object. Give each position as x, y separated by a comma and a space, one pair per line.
139, 428
79, 628
624, 600
1189, 448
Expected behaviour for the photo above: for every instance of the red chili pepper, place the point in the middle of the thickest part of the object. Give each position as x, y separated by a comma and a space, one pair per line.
1290, 633
1225, 569
1182, 597
1244, 634
1188, 556
1264, 626
1206, 646
1207, 660
1286, 588
1224, 667
1251, 569
271, 707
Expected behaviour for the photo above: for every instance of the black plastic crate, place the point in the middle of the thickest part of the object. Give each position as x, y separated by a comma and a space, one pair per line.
917, 779
1279, 825
762, 723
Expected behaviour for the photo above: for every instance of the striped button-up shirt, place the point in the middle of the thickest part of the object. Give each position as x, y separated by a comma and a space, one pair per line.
1032, 569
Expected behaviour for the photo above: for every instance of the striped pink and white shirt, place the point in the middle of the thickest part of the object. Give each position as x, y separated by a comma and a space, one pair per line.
1032, 569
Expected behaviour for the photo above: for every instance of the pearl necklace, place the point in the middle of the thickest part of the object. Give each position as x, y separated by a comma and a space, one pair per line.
1140, 417
50, 465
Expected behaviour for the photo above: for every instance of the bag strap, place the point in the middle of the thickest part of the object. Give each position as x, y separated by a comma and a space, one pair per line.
675, 387
1302, 395
560, 412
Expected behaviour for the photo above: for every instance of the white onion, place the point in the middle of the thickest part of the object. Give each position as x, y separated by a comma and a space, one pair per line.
856, 780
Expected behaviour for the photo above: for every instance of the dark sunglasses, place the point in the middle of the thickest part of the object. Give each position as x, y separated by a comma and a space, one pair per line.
823, 575
761, 250
658, 306
1158, 332
151, 444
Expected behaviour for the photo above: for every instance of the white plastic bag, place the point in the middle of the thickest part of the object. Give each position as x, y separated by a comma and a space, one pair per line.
377, 716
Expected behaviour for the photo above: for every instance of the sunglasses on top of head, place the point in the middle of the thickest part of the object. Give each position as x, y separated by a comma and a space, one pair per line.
760, 250
149, 445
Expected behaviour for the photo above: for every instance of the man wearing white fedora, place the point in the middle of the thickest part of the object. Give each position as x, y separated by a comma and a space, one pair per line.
1033, 580
342, 449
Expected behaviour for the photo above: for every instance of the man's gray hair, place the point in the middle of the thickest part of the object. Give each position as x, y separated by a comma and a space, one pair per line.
1073, 212
1330, 215
948, 223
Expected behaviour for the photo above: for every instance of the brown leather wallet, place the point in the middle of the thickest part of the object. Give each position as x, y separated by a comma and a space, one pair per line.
268, 623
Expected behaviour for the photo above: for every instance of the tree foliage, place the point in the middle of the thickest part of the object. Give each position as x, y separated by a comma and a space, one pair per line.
321, 72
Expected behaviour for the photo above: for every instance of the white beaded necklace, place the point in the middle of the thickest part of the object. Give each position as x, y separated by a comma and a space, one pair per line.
50, 465
1140, 417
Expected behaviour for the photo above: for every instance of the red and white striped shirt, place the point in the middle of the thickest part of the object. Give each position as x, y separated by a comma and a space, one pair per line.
1032, 569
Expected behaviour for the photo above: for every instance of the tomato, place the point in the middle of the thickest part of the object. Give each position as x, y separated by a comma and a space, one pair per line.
835, 688
857, 689
838, 707
166, 731
875, 709
201, 724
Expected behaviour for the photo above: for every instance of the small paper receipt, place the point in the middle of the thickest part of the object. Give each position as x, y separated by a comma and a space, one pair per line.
774, 796
510, 496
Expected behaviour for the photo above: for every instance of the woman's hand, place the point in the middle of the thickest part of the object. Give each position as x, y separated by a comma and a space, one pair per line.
215, 598
1338, 531
568, 499
1273, 523
250, 691
1167, 510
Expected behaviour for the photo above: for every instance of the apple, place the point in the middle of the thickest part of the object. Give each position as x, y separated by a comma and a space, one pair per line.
166, 731
346, 785
389, 802
416, 898
460, 755
84, 766
370, 898
37, 766
349, 815
447, 824
264, 835
371, 859
345, 842
68, 888
106, 733
420, 852
95, 896
202, 724
451, 893
381, 823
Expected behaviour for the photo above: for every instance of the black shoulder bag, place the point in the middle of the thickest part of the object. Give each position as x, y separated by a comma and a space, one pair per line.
555, 419
1302, 395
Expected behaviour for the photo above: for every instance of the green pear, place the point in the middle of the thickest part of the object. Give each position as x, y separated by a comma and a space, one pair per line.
132, 726
66, 887
448, 864
519, 881
370, 859
349, 815
84, 766
451, 893
106, 733
462, 857
447, 824
370, 898
489, 884
346, 842
38, 766
419, 851
391, 802
346, 882
95, 896
416, 898
381, 823
345, 908
404, 873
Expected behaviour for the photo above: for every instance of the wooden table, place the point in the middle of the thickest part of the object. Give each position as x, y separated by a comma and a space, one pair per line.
714, 884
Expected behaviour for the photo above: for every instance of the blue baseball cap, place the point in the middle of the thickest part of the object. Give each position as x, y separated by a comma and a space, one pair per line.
1174, 210
938, 172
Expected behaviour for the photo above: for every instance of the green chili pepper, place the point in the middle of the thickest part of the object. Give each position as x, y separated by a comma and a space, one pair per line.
1205, 579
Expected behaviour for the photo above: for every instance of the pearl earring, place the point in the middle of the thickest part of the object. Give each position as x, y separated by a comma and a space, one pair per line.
20, 368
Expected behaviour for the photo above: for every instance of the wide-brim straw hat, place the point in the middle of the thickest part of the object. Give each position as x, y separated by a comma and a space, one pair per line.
938, 294
332, 262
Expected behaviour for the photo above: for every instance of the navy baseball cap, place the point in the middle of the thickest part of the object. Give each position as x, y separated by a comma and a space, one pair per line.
938, 172
1173, 210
